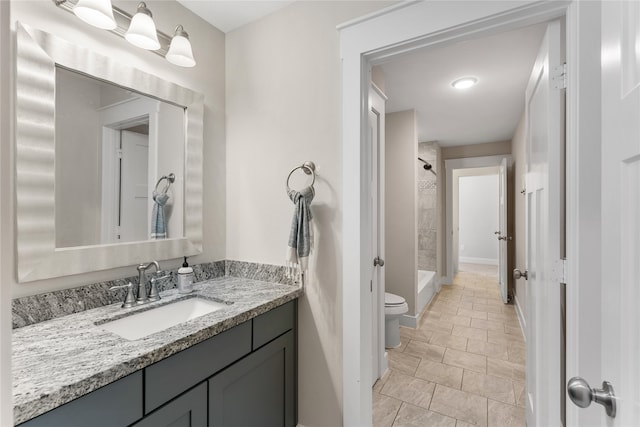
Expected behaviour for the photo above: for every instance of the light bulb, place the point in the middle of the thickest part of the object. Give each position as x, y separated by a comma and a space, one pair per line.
142, 30
464, 83
98, 13
180, 52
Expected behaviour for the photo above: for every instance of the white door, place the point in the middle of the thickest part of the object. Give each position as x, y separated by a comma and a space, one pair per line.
376, 132
134, 187
544, 235
620, 173
503, 233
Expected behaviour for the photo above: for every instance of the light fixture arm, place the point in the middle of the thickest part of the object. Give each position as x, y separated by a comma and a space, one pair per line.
179, 31
123, 19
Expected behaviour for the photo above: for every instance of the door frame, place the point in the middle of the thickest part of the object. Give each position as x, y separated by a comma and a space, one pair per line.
409, 26
454, 164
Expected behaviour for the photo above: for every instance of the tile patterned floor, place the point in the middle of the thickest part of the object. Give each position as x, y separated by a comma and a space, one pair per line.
463, 366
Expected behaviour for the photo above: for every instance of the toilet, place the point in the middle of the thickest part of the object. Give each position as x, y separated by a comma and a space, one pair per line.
394, 307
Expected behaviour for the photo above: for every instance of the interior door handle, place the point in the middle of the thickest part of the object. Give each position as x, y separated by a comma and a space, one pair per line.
518, 274
582, 395
377, 261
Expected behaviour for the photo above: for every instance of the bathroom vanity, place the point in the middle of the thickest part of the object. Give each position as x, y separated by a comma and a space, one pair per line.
235, 366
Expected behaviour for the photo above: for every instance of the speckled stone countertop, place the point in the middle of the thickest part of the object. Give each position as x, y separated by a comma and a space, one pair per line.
65, 358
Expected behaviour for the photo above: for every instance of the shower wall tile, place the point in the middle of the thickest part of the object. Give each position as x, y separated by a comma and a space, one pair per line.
427, 204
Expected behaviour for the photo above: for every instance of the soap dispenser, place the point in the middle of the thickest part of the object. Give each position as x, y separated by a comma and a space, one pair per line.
185, 278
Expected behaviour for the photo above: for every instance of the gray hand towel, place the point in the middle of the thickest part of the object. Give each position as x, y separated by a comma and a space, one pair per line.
158, 222
300, 237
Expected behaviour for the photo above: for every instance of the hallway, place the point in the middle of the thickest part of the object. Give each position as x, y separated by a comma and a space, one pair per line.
463, 366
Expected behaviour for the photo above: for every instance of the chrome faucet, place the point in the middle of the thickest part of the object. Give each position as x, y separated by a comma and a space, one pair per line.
143, 297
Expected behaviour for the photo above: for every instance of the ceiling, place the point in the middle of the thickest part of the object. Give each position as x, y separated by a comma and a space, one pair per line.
488, 111
227, 15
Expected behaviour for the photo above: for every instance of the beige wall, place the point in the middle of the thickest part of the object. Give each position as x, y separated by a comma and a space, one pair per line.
207, 77
461, 152
78, 194
519, 234
401, 227
283, 108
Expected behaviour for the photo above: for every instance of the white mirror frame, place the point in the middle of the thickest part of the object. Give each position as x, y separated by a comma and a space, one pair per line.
37, 257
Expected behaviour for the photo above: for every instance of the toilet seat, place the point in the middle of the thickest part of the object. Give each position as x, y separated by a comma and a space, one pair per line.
394, 304
392, 300
394, 307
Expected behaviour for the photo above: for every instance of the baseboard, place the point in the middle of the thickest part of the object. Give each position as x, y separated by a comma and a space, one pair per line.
409, 321
521, 320
472, 260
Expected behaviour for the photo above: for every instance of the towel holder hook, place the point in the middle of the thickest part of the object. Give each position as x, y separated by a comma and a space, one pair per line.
170, 180
307, 167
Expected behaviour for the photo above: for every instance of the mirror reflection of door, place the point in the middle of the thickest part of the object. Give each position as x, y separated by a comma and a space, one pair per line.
104, 180
133, 218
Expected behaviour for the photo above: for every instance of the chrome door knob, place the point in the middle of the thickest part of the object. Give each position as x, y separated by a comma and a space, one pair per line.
378, 262
518, 274
582, 395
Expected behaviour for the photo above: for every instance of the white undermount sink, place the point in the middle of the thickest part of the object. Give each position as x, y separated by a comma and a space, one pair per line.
148, 322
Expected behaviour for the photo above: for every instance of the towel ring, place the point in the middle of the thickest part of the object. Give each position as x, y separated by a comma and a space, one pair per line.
170, 179
307, 167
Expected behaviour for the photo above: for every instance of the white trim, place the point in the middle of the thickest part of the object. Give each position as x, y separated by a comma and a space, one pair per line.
417, 25
409, 321
110, 184
473, 260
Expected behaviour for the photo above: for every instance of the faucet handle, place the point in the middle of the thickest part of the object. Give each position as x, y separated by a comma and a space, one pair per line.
157, 277
130, 300
153, 292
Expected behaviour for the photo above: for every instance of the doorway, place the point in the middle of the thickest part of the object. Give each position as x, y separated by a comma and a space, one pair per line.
406, 28
477, 208
500, 231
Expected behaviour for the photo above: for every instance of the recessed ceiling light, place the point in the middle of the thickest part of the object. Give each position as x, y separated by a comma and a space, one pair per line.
464, 82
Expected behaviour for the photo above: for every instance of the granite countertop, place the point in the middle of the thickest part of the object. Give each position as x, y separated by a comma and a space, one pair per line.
59, 360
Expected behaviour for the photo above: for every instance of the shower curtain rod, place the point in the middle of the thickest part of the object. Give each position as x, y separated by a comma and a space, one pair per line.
428, 166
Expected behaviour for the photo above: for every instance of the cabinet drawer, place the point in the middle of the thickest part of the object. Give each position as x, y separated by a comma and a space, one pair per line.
273, 323
170, 377
116, 404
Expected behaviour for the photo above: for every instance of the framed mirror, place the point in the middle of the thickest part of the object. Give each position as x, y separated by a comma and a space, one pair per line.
96, 143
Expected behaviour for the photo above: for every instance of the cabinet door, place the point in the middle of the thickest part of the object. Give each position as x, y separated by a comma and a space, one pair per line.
188, 410
259, 390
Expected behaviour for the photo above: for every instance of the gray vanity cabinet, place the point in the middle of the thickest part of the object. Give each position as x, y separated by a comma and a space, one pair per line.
258, 390
116, 404
188, 410
245, 376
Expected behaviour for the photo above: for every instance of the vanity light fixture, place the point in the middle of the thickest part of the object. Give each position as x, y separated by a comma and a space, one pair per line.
98, 13
180, 52
142, 30
139, 29
464, 82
